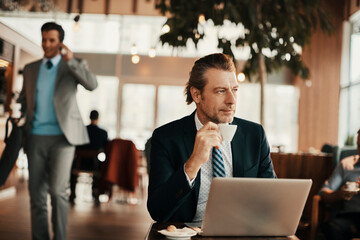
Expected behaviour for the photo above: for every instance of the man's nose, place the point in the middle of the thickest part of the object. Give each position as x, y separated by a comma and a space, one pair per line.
230, 97
46, 43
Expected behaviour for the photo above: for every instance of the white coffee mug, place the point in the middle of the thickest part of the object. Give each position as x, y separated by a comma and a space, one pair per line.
351, 186
227, 131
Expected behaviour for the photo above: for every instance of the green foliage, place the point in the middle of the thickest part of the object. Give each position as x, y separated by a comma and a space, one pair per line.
276, 26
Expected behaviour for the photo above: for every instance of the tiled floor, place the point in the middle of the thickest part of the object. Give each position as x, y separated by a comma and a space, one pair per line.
111, 220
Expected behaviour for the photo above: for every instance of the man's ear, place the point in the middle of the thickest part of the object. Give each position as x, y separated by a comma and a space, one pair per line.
195, 94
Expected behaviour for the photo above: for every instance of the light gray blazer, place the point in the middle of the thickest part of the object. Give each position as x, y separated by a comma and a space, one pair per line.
69, 75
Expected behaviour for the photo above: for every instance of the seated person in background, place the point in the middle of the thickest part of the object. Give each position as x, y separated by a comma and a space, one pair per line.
181, 162
345, 222
98, 139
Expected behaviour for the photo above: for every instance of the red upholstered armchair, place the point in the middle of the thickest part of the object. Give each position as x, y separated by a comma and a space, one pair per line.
121, 166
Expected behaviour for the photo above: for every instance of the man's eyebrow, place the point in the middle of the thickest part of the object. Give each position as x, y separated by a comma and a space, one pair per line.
221, 87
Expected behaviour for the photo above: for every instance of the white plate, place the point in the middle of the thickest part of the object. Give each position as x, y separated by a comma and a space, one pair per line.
180, 234
354, 190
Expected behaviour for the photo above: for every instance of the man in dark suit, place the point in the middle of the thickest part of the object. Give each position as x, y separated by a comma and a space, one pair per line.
181, 162
98, 139
98, 136
53, 126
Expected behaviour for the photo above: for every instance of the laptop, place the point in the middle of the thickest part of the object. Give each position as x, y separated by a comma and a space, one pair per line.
254, 206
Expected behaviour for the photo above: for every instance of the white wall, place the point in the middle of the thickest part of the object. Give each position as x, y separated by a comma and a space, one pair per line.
25, 52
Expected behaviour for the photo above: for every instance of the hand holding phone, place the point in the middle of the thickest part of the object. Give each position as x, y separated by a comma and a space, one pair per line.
65, 52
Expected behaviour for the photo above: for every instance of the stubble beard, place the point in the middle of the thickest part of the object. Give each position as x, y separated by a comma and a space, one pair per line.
218, 118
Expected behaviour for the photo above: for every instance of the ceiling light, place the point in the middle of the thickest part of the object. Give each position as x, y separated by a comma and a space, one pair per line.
77, 18
135, 59
241, 77
76, 26
152, 52
133, 49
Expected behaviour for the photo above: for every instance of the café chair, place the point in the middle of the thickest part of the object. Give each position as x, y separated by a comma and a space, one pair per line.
347, 151
317, 216
333, 150
80, 155
321, 213
121, 169
86, 164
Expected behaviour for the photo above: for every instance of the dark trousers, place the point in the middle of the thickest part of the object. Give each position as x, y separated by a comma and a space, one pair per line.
343, 227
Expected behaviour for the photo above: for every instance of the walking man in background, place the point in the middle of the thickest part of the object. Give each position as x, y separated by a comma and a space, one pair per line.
53, 126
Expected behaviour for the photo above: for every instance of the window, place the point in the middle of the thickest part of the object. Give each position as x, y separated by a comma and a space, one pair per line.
355, 57
137, 114
97, 33
350, 90
172, 104
138, 111
354, 107
281, 117
104, 100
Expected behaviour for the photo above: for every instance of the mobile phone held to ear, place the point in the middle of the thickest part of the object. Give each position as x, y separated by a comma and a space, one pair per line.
63, 51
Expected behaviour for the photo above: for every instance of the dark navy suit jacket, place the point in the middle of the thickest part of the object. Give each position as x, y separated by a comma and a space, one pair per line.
170, 198
98, 138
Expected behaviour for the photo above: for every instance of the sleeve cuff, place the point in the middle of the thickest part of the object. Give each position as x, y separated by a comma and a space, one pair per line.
191, 182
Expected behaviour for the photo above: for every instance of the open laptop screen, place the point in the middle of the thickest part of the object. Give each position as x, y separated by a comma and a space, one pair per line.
254, 206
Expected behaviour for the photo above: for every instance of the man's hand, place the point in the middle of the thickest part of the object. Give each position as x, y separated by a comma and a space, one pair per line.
65, 52
331, 196
206, 138
358, 181
346, 195
348, 163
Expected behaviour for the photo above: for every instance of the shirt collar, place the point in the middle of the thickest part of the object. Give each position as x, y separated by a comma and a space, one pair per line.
197, 122
55, 60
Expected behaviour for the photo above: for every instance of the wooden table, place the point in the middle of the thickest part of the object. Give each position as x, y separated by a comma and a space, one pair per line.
155, 227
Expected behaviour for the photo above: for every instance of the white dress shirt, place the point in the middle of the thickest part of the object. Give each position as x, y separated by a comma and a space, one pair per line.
207, 174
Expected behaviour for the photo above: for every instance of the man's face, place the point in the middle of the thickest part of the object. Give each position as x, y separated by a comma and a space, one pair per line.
50, 43
217, 102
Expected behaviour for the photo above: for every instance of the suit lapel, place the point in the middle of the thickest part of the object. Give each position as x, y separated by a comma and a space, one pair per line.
189, 133
189, 142
237, 149
33, 77
60, 72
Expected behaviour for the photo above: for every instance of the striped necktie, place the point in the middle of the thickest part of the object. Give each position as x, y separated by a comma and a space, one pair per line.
218, 163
